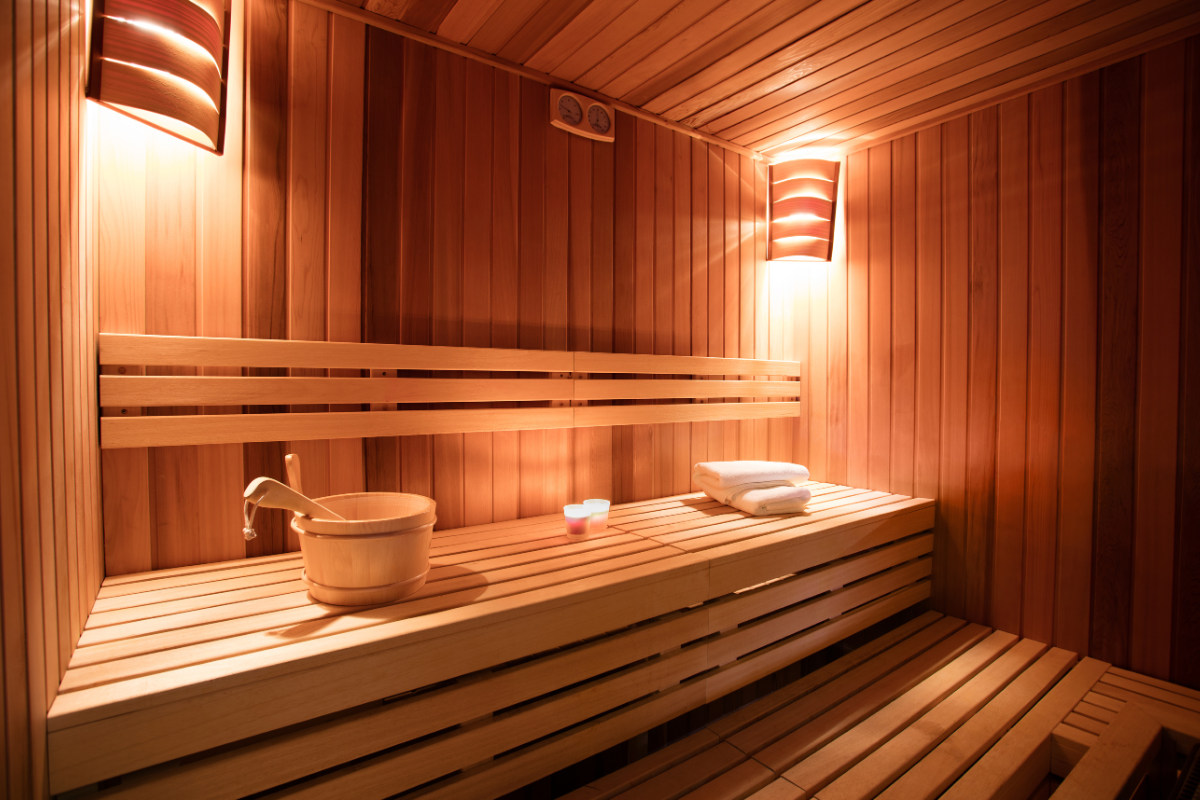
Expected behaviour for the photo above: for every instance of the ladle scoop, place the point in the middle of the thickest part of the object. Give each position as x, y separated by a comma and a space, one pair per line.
271, 493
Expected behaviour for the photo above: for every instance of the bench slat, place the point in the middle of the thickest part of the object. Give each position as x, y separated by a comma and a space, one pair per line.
1117, 760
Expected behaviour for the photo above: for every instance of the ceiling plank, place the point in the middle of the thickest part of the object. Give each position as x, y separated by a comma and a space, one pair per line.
1132, 47
701, 32
504, 23
904, 74
697, 92
1114, 31
896, 53
635, 19
577, 33
427, 15
910, 24
541, 28
653, 37
746, 31
466, 18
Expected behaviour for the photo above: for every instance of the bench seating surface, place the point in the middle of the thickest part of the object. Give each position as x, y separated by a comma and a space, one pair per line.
175, 662
935, 708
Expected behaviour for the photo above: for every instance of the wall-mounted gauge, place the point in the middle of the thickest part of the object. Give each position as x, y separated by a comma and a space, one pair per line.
576, 113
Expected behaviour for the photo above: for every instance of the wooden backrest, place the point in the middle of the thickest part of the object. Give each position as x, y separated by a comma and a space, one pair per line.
567, 383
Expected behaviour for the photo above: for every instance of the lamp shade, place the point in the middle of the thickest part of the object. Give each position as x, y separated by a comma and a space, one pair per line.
803, 199
164, 62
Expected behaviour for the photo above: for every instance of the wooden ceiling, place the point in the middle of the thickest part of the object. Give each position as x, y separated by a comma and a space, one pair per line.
775, 75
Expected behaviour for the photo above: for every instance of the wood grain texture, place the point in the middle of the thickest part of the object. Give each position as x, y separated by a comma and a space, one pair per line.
530, 239
1030, 368
51, 553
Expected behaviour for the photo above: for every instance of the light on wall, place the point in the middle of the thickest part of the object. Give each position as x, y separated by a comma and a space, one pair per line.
165, 63
803, 198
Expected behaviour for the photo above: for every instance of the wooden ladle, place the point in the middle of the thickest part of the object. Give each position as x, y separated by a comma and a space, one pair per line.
271, 493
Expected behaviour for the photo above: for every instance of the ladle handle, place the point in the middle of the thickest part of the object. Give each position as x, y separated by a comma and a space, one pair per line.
271, 493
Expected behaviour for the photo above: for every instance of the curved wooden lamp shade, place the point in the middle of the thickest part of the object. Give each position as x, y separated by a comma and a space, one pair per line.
165, 63
803, 199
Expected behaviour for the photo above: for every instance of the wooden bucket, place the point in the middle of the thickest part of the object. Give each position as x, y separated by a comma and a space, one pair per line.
378, 554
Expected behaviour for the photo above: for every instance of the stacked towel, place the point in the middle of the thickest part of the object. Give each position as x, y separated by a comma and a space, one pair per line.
755, 487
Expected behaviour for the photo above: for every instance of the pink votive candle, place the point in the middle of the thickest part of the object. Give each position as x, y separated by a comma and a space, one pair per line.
599, 512
577, 516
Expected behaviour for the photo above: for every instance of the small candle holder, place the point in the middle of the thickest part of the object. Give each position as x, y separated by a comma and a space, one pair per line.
599, 514
577, 516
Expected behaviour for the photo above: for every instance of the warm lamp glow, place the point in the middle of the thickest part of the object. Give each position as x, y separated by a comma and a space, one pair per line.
164, 63
803, 198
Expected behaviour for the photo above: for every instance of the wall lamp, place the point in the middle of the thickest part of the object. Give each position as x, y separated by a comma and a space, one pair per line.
803, 199
164, 63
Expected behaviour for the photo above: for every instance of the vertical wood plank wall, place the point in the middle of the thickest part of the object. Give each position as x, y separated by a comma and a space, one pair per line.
1017, 335
51, 557
393, 192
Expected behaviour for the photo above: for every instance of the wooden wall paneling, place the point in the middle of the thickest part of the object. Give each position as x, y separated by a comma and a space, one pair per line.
1185, 647
219, 298
1008, 542
837, 394
926, 457
955, 346
506, 176
904, 313
642, 441
715, 169
814, 391
264, 295
602, 312
171, 306
447, 265
879, 320
662, 477
681, 290
858, 241
699, 282
416, 237
121, 256
1081, 160
733, 304
983, 313
477, 268
1117, 371
1161, 238
1045, 320
749, 441
625, 253
559, 461
762, 306
307, 145
56, 254
532, 276
344, 218
382, 171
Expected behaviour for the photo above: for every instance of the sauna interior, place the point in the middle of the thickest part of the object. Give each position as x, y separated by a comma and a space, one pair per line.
402, 255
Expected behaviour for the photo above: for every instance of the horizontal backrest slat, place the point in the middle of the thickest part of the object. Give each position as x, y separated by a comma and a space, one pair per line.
120, 432
684, 365
199, 351
160, 390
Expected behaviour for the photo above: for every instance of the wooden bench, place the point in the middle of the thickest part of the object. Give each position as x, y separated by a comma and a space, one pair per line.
935, 708
523, 654
904, 716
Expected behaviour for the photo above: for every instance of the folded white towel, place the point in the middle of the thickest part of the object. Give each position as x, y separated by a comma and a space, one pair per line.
724, 495
770, 501
736, 473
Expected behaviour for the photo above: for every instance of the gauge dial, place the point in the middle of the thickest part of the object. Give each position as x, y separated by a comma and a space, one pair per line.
570, 110
598, 119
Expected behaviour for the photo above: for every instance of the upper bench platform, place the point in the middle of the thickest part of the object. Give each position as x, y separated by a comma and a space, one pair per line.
177, 662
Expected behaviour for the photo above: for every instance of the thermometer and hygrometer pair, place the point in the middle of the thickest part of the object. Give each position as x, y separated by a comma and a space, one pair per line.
576, 113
